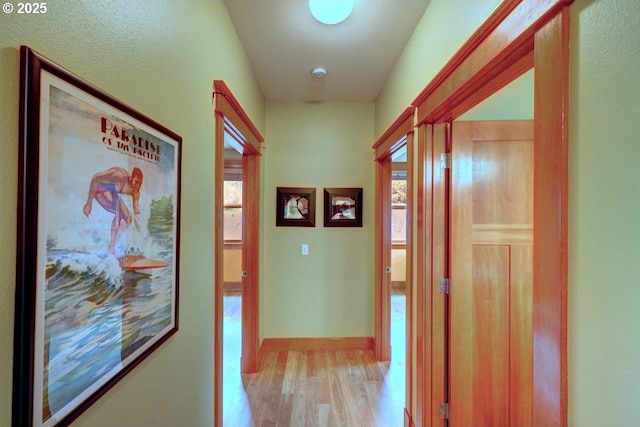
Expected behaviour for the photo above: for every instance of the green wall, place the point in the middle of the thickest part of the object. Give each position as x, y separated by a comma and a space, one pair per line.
604, 154
160, 57
512, 102
443, 29
328, 293
604, 226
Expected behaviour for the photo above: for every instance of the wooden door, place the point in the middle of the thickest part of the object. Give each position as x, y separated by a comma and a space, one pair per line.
490, 376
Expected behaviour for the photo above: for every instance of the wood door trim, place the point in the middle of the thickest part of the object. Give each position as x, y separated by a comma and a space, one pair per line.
233, 286
430, 314
317, 344
439, 239
218, 282
250, 262
228, 112
503, 45
423, 246
382, 260
408, 421
231, 108
399, 134
551, 190
391, 140
409, 282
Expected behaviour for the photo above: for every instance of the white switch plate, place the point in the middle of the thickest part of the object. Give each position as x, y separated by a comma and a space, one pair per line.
305, 249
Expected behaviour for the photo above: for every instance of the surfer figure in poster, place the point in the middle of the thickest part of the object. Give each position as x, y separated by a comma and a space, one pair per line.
106, 187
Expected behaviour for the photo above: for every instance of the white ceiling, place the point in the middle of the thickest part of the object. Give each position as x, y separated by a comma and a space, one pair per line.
284, 43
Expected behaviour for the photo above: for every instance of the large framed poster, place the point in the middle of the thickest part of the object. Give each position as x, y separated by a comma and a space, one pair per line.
98, 243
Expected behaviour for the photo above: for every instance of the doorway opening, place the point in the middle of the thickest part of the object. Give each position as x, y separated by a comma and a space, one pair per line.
500, 249
233, 395
394, 266
398, 255
234, 130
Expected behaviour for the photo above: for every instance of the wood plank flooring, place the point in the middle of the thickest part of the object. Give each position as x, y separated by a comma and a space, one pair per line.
313, 388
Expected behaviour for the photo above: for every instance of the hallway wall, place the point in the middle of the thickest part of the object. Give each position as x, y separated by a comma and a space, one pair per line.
328, 293
160, 57
604, 201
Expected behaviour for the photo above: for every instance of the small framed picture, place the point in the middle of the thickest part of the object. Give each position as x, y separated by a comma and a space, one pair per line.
295, 207
343, 207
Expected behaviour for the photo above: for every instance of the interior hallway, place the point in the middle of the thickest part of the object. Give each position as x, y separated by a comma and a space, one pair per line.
314, 388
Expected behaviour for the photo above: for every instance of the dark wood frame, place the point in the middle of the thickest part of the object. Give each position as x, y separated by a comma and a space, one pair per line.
281, 221
353, 193
31, 249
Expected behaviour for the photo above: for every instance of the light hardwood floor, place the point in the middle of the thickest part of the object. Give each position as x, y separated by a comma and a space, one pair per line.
314, 388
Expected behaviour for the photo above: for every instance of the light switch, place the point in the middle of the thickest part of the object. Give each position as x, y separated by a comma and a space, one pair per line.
305, 249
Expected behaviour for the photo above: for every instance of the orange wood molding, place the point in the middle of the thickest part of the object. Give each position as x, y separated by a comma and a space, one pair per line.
218, 282
232, 244
233, 164
399, 166
382, 325
408, 421
410, 286
496, 53
399, 134
231, 108
317, 344
423, 270
250, 263
230, 118
388, 143
233, 286
551, 142
436, 338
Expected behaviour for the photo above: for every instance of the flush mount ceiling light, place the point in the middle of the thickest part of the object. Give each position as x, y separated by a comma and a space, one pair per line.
331, 12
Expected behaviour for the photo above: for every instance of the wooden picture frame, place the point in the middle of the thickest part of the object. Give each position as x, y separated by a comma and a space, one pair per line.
295, 207
343, 207
98, 243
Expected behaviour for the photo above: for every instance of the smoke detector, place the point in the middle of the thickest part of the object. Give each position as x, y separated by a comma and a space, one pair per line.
319, 73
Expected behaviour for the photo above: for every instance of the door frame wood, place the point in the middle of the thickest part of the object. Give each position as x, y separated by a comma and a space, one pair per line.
517, 36
398, 135
231, 118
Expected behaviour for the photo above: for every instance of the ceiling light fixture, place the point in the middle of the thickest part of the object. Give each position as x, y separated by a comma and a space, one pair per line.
331, 12
319, 73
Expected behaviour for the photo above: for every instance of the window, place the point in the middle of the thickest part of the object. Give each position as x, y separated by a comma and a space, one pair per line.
399, 207
232, 219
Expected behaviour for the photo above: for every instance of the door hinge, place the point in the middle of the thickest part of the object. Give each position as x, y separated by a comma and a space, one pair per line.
445, 286
445, 161
444, 411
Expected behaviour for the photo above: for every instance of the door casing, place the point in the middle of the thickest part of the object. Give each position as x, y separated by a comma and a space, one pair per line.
516, 36
231, 118
399, 134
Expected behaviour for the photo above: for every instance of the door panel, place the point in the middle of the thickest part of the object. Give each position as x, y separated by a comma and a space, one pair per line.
491, 274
